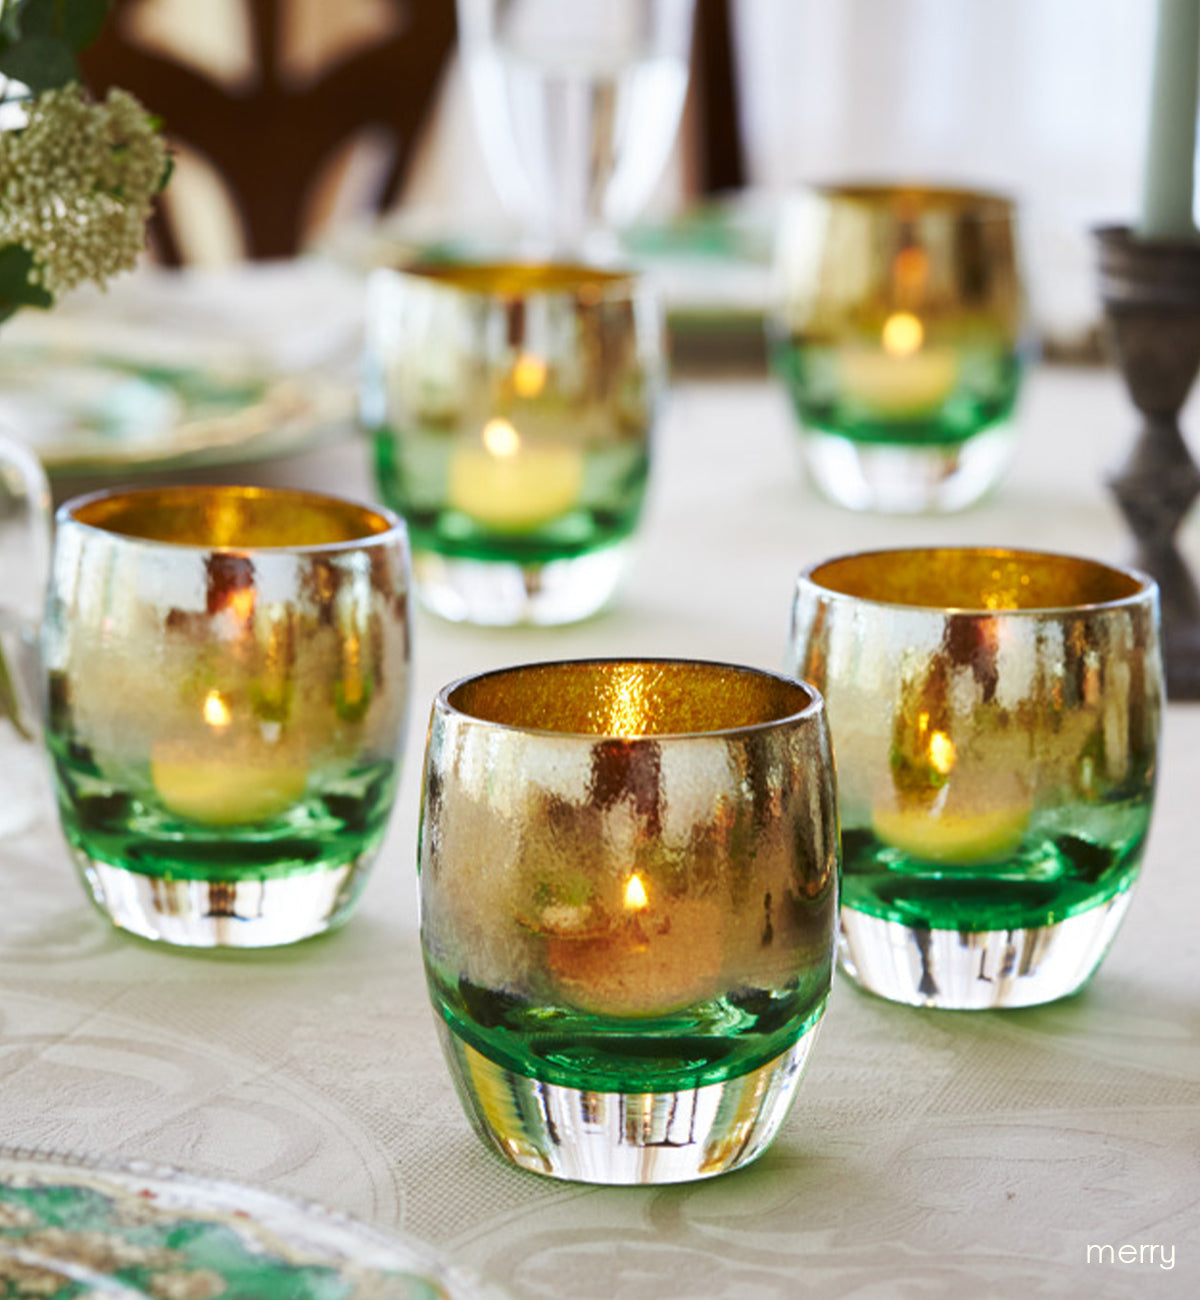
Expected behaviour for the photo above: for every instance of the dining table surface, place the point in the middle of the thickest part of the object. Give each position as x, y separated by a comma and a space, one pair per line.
927, 1154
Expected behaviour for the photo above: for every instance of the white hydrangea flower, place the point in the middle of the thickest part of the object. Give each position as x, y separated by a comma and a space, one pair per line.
77, 183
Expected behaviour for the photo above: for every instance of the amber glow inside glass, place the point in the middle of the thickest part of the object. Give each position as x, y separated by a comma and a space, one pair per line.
515, 279
628, 882
232, 517
995, 715
976, 580
631, 699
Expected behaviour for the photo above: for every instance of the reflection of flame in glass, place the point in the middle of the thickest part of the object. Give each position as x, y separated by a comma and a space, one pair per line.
911, 267
501, 439
529, 375
241, 603
941, 752
627, 705
352, 676
635, 893
216, 711
1007, 593
225, 521
902, 334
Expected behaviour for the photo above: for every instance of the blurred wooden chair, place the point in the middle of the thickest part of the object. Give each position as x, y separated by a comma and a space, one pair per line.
284, 106
719, 153
286, 115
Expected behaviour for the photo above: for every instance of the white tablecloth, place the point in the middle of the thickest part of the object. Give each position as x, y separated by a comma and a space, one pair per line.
928, 1153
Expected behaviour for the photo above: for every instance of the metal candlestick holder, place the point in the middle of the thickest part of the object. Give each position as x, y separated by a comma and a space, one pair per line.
1151, 295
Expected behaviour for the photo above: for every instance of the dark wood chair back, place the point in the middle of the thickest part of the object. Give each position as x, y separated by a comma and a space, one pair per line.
270, 134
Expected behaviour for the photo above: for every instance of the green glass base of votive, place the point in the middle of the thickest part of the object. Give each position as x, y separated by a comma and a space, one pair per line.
625, 1138
978, 970
508, 593
175, 879
1027, 928
506, 559
262, 912
897, 477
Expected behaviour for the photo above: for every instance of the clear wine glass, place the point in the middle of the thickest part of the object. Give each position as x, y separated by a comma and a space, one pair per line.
577, 106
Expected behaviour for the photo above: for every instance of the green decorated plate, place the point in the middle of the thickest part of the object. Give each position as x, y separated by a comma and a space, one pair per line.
76, 1228
174, 370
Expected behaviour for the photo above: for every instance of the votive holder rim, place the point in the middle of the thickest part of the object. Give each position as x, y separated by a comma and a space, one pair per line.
573, 281
929, 195
1146, 587
393, 530
812, 710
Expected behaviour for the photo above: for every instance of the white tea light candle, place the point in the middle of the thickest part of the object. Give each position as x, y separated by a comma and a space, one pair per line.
902, 377
226, 775
508, 483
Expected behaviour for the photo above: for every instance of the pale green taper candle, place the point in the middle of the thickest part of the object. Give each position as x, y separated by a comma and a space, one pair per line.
1168, 188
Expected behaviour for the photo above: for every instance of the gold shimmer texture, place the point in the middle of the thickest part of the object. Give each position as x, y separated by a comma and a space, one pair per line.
631, 698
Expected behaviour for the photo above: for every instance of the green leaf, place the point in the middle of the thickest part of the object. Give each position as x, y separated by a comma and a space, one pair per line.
10, 22
40, 62
84, 19
75, 22
16, 290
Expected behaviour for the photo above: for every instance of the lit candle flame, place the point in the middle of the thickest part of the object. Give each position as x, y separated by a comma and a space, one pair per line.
501, 439
241, 604
529, 375
902, 334
941, 752
216, 712
635, 893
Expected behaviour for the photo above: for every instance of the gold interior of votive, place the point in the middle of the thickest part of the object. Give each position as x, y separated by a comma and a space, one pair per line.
631, 697
923, 198
975, 579
517, 279
238, 518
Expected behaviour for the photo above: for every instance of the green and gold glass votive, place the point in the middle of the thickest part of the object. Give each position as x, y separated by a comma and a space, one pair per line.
629, 875
511, 407
995, 715
228, 675
897, 329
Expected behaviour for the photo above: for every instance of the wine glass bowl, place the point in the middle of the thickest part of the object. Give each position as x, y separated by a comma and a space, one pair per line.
577, 107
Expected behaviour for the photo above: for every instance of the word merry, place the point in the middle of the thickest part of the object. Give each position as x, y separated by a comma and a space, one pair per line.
1129, 1254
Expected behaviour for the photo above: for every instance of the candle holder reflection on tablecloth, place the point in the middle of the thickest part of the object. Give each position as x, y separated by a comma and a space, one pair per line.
995, 715
228, 679
629, 895
898, 332
512, 407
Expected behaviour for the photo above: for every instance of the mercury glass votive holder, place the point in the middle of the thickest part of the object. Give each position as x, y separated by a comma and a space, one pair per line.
995, 715
629, 875
227, 672
512, 407
897, 329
